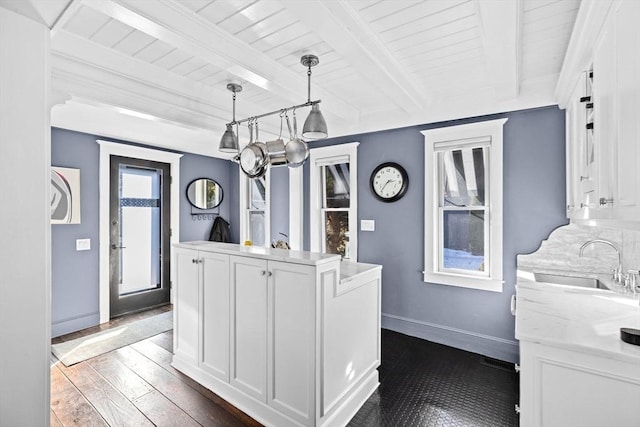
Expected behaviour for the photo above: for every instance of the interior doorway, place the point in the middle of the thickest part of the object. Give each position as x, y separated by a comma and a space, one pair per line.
140, 217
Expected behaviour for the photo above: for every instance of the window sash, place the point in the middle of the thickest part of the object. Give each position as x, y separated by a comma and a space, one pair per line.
247, 210
486, 242
323, 215
441, 159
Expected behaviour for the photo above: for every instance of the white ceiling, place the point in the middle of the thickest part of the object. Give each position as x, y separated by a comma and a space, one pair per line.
156, 71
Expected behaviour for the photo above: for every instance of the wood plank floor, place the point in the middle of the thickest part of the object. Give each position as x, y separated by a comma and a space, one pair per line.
134, 386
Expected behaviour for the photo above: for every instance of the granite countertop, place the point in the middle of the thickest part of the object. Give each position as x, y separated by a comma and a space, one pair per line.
579, 319
284, 255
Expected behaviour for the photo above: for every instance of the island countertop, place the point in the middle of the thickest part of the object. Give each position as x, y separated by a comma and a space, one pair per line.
284, 255
580, 319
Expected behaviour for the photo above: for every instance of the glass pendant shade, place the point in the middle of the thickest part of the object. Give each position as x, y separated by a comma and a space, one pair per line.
229, 141
315, 127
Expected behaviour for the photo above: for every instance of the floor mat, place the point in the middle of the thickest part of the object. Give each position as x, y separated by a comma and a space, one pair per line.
83, 348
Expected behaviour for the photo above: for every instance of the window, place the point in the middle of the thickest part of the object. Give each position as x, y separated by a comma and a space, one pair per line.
463, 205
254, 208
333, 182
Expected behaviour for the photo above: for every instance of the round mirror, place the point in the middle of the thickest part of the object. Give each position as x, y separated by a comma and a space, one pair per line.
204, 193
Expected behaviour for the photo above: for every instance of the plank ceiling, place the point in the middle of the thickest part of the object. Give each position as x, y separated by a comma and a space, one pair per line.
383, 63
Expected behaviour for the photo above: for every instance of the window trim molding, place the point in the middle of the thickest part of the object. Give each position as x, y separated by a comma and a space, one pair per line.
460, 135
319, 155
245, 225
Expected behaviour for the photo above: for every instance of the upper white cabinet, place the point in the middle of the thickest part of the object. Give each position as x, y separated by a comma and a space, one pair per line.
626, 189
603, 135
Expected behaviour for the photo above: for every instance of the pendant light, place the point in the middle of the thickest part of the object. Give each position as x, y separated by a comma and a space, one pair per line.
315, 127
229, 140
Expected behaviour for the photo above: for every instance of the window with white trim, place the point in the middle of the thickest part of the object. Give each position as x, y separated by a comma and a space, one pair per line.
255, 210
463, 205
334, 200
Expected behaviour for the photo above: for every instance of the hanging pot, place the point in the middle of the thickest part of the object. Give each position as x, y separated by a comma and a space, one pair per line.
276, 151
296, 150
254, 159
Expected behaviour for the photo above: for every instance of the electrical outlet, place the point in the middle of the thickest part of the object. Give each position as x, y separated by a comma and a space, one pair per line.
367, 225
83, 244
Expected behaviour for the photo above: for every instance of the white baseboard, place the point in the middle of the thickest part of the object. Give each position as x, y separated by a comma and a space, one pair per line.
497, 348
75, 324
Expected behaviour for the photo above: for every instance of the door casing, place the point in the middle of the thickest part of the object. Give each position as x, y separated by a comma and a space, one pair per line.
107, 149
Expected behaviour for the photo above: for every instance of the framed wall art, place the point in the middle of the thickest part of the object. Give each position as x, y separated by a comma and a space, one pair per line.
65, 195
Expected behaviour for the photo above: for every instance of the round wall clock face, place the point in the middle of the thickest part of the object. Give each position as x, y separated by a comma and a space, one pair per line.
389, 182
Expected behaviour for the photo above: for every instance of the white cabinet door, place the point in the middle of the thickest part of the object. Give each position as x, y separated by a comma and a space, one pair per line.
560, 388
627, 65
185, 334
604, 90
214, 311
291, 355
249, 325
579, 146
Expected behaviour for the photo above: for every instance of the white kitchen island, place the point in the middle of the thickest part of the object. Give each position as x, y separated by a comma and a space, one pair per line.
291, 338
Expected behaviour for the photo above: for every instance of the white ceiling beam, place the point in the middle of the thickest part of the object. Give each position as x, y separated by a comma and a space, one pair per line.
91, 69
500, 27
340, 26
65, 16
169, 21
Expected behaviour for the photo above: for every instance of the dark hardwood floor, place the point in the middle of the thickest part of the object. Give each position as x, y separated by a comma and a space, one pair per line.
134, 386
423, 384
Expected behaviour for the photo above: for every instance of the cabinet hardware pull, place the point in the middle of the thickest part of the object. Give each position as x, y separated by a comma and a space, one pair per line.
270, 274
517, 367
585, 99
583, 178
604, 201
262, 273
193, 261
589, 125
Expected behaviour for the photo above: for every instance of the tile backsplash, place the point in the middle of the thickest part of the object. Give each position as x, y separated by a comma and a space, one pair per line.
561, 250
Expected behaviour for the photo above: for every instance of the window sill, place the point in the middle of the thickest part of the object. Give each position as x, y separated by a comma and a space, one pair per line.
481, 283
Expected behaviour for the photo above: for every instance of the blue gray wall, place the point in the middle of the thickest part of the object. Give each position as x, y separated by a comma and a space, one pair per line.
479, 321
534, 201
75, 287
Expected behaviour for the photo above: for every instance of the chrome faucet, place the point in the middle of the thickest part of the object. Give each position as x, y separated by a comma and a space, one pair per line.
617, 273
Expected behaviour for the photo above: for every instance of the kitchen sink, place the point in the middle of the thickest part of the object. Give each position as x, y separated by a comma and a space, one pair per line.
584, 282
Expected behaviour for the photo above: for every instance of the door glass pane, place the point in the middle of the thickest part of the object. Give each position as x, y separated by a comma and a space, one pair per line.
257, 193
337, 233
139, 229
336, 185
256, 220
463, 240
463, 175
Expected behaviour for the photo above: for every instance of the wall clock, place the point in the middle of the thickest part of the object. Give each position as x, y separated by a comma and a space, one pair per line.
389, 182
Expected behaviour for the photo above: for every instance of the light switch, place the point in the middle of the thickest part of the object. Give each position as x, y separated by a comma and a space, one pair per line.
367, 225
83, 244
